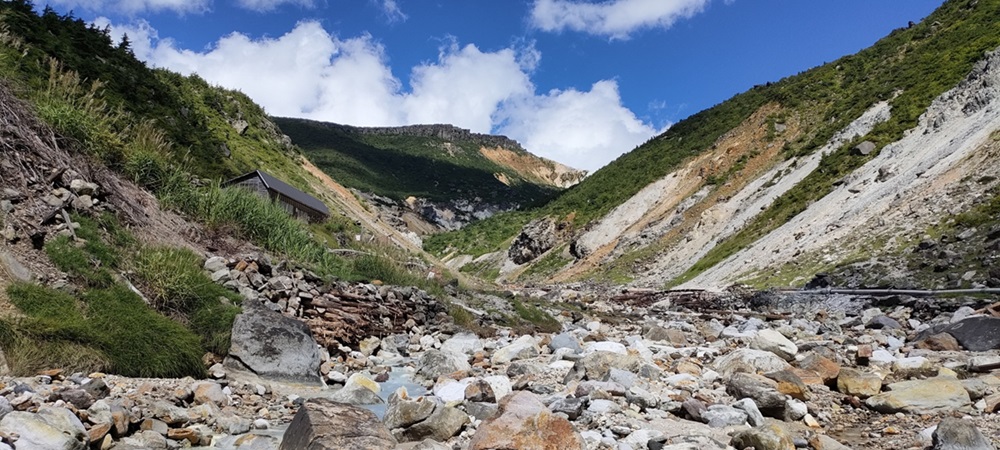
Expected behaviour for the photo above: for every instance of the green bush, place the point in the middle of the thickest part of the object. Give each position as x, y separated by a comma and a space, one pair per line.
174, 283
371, 267
173, 280
535, 316
138, 341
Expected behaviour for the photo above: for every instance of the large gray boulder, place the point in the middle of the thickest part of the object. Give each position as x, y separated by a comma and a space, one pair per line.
435, 363
750, 361
322, 424
537, 237
51, 428
959, 434
274, 347
977, 334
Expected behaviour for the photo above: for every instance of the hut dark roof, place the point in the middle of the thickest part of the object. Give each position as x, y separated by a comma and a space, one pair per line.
285, 189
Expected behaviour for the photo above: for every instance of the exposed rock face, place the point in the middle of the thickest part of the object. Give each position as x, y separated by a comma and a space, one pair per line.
525, 423
322, 424
274, 346
536, 237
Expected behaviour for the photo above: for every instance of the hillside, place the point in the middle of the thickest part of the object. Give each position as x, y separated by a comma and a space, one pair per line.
768, 187
431, 177
112, 199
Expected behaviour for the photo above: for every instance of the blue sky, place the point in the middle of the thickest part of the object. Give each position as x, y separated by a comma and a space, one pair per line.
578, 81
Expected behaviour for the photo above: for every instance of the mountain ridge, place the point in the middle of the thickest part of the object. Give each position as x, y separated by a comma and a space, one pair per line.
809, 134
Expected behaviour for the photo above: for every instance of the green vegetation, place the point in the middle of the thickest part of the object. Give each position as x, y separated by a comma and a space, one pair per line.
984, 213
480, 238
107, 329
178, 137
398, 166
534, 315
908, 68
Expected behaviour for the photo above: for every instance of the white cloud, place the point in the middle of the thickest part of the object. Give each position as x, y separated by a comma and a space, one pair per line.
585, 130
391, 10
465, 87
309, 73
132, 7
616, 19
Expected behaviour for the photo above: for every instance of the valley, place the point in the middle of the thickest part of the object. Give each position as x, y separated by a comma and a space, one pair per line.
710, 289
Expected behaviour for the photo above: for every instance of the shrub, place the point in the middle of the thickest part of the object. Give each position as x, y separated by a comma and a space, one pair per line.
138, 341
371, 267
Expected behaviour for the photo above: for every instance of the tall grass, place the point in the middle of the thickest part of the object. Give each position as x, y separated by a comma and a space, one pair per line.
174, 283
112, 327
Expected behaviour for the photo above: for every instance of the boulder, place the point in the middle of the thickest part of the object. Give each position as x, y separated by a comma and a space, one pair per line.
596, 365
441, 425
750, 361
818, 369
754, 417
402, 411
209, 392
525, 423
772, 341
51, 429
858, 383
523, 348
359, 390
463, 344
928, 396
763, 391
958, 434
273, 346
565, 340
671, 336
537, 237
435, 363
977, 334
769, 437
939, 342
790, 384
322, 424
720, 416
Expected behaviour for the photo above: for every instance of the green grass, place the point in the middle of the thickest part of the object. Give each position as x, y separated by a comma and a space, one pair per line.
111, 326
173, 281
535, 316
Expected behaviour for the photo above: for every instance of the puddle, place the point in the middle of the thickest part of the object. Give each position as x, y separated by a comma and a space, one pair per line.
398, 377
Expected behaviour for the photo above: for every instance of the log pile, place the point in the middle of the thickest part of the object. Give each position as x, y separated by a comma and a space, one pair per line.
339, 314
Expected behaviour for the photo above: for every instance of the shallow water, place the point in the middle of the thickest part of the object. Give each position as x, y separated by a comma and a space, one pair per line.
398, 377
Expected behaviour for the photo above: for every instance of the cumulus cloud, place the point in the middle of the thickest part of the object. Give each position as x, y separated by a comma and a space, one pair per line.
616, 19
582, 129
392, 11
132, 7
310, 73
